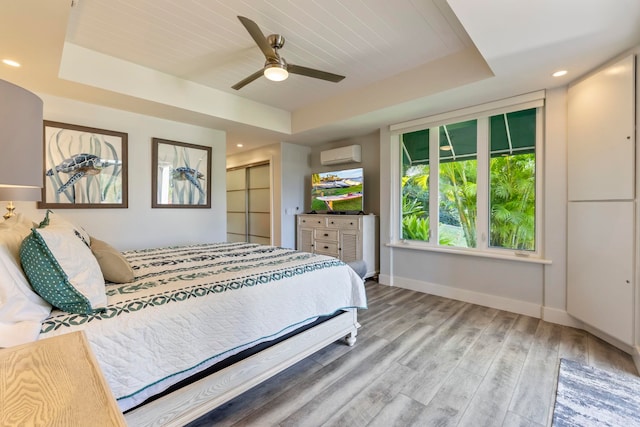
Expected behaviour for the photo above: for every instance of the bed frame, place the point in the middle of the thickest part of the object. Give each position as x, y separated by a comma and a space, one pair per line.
198, 398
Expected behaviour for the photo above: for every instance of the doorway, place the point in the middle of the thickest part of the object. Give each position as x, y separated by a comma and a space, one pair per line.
249, 203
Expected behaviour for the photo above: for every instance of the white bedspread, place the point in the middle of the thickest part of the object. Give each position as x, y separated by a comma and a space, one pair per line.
193, 306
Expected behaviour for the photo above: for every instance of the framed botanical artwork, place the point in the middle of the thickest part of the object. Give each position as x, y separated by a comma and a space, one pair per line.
180, 175
84, 167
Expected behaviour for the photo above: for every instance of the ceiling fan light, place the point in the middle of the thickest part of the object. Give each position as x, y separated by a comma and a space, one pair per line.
275, 72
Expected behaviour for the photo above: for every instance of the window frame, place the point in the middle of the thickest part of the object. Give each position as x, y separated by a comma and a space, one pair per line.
482, 114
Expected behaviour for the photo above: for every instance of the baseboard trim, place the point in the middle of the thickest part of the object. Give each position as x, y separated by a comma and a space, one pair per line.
385, 279
561, 317
487, 300
636, 357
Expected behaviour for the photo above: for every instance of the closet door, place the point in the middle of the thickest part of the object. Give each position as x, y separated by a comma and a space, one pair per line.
600, 266
601, 191
259, 207
237, 205
601, 149
249, 204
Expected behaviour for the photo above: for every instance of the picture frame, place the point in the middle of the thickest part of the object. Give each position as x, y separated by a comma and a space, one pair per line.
84, 167
180, 175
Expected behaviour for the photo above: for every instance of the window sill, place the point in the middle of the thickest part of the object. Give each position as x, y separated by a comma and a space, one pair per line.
466, 252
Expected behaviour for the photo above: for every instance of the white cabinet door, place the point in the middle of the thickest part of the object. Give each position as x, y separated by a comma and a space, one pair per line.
350, 247
601, 134
305, 239
600, 266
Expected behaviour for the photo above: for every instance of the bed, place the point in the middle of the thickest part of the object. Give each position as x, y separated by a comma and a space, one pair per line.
191, 307
173, 316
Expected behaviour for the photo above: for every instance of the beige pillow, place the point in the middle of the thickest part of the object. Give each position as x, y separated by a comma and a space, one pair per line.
115, 268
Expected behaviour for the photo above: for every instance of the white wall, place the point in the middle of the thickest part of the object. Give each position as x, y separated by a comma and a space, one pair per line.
555, 207
370, 146
140, 226
295, 168
523, 287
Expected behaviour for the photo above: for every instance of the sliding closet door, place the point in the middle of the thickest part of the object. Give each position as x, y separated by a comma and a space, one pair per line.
237, 205
259, 206
249, 204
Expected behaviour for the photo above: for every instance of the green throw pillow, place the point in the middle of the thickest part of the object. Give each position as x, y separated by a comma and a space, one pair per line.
61, 268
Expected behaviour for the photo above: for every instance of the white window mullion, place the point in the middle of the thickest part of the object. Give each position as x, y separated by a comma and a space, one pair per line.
395, 190
482, 186
539, 181
434, 181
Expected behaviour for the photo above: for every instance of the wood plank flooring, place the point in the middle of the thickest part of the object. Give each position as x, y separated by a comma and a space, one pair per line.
423, 360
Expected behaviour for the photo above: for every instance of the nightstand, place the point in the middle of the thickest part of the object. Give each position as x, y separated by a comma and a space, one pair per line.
55, 382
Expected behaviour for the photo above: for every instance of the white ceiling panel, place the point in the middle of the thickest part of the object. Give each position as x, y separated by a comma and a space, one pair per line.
365, 40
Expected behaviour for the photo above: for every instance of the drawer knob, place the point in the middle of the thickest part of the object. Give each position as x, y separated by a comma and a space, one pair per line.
326, 247
326, 235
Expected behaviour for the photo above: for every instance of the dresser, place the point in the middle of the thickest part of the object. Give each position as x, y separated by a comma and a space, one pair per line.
347, 237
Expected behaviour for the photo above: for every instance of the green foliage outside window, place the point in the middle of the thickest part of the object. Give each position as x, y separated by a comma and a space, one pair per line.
511, 187
513, 202
458, 195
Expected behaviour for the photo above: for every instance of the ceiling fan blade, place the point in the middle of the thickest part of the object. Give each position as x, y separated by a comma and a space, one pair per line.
258, 37
310, 72
242, 83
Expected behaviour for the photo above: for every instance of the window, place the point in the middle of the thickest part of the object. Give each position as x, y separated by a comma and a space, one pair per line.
512, 181
457, 184
471, 183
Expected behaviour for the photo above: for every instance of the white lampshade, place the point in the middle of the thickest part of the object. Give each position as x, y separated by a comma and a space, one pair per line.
276, 72
21, 145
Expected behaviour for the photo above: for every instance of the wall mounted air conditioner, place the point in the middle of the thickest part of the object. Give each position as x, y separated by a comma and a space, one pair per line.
349, 154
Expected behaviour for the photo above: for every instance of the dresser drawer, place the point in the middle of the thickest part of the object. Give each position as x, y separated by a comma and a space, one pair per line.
343, 223
326, 248
311, 221
325, 234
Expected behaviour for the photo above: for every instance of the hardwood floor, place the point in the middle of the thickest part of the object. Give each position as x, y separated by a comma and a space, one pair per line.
423, 360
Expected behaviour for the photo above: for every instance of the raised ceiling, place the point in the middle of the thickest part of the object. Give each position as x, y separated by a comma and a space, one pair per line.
402, 59
204, 42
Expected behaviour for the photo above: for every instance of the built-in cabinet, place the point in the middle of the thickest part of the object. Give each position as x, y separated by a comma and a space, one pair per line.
347, 237
601, 238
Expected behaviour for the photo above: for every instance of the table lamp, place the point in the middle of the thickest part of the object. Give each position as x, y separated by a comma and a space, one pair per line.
21, 151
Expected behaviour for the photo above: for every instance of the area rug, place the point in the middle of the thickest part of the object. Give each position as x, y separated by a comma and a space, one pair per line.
588, 396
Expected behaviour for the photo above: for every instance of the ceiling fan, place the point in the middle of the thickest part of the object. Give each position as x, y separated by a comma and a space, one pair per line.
275, 67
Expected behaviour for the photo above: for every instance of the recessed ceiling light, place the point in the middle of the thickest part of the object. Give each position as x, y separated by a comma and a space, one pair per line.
559, 73
239, 145
11, 62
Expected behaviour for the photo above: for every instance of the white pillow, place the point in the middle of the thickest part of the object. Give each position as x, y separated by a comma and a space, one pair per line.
61, 267
21, 309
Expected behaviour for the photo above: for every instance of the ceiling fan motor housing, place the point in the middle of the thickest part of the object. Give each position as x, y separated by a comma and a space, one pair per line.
276, 41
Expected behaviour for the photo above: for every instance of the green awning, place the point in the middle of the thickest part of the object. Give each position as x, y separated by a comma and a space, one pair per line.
510, 133
513, 133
